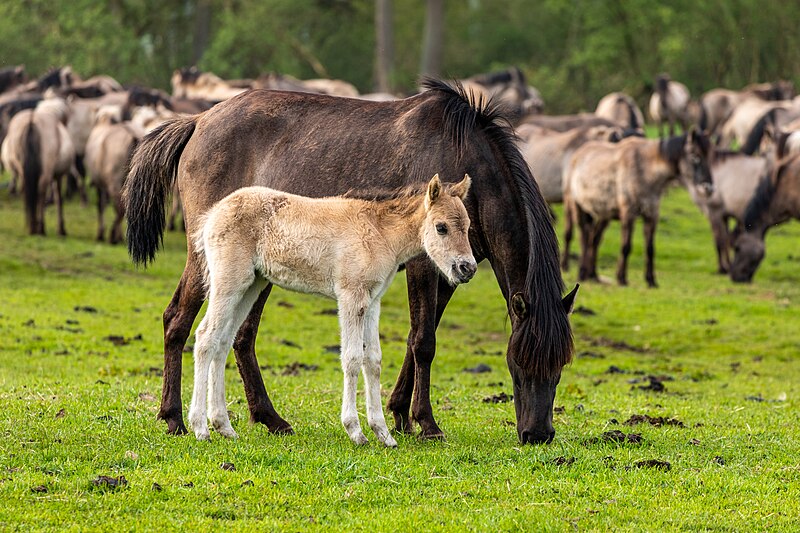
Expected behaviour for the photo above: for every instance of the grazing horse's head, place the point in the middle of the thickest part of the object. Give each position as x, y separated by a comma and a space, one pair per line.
693, 164
749, 252
445, 233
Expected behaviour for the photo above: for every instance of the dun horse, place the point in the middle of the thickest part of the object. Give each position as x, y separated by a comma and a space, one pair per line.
776, 200
38, 150
343, 248
624, 181
316, 145
621, 109
669, 104
736, 176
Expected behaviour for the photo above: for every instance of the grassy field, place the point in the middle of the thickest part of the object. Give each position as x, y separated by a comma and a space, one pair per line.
80, 363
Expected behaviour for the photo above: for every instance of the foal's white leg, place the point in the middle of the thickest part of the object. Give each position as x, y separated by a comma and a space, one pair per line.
351, 323
213, 340
217, 407
372, 375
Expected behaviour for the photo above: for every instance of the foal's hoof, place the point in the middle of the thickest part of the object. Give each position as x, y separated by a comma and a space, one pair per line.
202, 434
389, 442
226, 432
359, 439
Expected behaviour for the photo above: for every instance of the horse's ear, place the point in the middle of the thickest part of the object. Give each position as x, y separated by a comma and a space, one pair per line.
434, 190
569, 300
461, 188
518, 306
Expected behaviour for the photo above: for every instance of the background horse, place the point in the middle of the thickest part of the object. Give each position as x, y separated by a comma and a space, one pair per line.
509, 87
736, 176
38, 150
347, 249
317, 145
776, 200
669, 104
108, 150
547, 152
621, 109
607, 181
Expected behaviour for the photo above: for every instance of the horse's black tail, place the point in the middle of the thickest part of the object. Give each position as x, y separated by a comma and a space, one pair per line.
31, 172
153, 167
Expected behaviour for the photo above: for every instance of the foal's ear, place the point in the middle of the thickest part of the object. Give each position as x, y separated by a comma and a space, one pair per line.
434, 190
461, 188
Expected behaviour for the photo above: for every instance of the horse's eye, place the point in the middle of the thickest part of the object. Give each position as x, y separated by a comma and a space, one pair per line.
441, 228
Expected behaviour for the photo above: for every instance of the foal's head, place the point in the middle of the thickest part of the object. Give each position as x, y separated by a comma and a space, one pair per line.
445, 231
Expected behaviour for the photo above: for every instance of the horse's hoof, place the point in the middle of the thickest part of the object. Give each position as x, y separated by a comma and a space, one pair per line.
359, 439
389, 442
176, 427
228, 433
432, 435
402, 423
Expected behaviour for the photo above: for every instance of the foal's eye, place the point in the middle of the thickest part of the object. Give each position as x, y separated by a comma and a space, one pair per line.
441, 228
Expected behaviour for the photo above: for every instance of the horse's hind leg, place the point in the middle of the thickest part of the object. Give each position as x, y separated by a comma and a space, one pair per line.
650, 251
217, 408
62, 230
568, 228
625, 249
585, 223
596, 237
258, 402
115, 237
178, 319
372, 376
102, 200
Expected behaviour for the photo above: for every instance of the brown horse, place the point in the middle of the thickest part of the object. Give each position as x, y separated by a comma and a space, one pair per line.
776, 200
316, 145
624, 181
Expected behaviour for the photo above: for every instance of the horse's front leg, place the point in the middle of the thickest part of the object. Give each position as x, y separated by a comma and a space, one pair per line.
62, 229
178, 319
650, 249
244, 347
719, 228
568, 229
372, 375
352, 313
428, 295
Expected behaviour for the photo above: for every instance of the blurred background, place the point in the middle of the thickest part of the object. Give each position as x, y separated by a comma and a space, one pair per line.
573, 51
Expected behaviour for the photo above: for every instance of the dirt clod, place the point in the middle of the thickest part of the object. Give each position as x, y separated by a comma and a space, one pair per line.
480, 369
657, 421
61, 413
293, 369
247, 483
110, 483
156, 487
719, 460
563, 461
290, 344
617, 436
229, 467
498, 398
85, 309
39, 489
653, 463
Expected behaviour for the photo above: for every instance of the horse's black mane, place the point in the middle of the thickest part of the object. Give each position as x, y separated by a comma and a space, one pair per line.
762, 197
672, 148
546, 346
753, 141
52, 78
382, 195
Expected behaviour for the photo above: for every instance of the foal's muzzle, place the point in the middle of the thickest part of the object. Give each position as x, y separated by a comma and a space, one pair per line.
463, 270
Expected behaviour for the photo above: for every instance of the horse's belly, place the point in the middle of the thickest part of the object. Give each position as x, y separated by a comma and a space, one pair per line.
300, 280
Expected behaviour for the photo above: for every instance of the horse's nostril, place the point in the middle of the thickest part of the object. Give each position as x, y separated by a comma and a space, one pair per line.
530, 437
467, 269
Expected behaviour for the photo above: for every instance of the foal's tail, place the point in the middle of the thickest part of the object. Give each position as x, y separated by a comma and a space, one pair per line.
31, 172
153, 167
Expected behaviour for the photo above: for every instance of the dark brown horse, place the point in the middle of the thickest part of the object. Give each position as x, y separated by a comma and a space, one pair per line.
776, 200
317, 145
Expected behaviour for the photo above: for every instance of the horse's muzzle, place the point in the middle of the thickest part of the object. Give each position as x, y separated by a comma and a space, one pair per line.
464, 270
531, 437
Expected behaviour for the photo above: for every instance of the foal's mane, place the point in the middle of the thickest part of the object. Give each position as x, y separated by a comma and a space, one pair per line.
546, 341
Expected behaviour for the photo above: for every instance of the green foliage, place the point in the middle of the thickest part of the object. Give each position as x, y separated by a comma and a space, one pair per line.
574, 52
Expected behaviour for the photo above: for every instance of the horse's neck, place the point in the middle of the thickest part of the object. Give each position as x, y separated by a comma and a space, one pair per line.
659, 169
400, 222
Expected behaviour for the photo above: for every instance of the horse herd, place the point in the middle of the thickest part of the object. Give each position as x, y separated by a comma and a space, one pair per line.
211, 141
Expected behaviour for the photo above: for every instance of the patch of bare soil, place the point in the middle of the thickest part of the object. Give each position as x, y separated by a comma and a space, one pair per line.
110, 483
653, 463
480, 369
293, 369
120, 340
498, 398
657, 421
617, 436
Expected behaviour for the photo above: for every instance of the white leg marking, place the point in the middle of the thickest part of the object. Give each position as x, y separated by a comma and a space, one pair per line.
351, 321
372, 376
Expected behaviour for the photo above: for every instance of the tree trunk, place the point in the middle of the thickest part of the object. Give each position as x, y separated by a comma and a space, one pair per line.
384, 46
202, 29
434, 37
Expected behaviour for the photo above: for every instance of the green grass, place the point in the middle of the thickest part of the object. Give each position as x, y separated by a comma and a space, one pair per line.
77, 406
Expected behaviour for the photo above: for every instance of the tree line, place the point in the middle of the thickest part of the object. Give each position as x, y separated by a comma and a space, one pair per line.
573, 51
